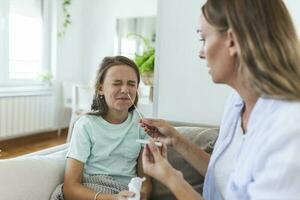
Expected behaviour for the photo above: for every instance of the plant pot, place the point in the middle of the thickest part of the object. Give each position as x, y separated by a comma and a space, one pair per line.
147, 78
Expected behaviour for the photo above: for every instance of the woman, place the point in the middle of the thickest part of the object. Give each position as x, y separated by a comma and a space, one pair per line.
103, 154
252, 46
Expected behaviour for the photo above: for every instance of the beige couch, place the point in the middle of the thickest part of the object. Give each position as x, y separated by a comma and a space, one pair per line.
34, 176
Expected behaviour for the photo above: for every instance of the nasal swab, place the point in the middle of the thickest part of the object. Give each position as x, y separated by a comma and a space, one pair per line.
135, 106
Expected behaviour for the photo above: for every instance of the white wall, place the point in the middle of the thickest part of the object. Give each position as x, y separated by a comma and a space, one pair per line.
67, 64
69, 49
183, 89
294, 7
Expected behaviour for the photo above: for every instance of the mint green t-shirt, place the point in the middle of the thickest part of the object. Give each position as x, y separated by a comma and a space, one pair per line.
105, 148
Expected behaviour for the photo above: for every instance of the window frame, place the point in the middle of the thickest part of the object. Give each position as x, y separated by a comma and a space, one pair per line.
4, 47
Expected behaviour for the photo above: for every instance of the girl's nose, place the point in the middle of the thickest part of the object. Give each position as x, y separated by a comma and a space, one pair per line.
125, 90
201, 54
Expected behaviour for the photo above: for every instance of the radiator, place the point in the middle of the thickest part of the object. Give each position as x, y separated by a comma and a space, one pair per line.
25, 115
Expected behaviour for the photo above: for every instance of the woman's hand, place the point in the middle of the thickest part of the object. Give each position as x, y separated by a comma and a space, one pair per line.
155, 163
160, 129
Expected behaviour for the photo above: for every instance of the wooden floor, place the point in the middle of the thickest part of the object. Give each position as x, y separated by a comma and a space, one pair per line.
20, 146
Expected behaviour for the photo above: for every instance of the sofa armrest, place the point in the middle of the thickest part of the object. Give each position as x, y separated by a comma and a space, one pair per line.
191, 124
49, 151
32, 176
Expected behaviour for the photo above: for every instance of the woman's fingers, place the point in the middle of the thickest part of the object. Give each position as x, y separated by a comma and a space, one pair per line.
164, 150
147, 155
150, 122
155, 151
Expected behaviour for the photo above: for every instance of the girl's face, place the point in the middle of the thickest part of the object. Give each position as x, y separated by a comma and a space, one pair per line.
119, 81
219, 51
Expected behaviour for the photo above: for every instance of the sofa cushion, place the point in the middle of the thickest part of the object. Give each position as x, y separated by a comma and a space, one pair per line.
205, 139
31, 178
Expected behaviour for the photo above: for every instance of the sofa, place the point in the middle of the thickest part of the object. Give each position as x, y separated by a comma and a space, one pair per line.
35, 176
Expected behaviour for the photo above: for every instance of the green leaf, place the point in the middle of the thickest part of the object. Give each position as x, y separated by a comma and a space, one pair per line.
139, 60
148, 65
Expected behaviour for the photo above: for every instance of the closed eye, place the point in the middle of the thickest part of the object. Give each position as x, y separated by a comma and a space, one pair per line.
132, 83
117, 82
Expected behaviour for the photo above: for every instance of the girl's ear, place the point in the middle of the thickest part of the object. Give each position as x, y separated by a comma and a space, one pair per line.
232, 43
100, 89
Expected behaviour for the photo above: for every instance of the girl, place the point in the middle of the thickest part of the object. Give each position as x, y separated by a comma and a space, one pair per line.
104, 154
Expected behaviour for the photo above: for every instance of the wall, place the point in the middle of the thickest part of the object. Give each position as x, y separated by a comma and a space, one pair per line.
70, 47
294, 7
67, 57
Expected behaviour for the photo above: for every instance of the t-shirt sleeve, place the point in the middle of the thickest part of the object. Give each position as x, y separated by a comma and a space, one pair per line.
80, 142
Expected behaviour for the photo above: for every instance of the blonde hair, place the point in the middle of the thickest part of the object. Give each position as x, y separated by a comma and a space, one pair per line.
269, 45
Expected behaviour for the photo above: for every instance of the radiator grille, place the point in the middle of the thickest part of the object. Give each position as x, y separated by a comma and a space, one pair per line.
25, 115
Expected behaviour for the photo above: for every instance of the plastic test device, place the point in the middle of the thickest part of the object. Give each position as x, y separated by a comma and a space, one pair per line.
159, 144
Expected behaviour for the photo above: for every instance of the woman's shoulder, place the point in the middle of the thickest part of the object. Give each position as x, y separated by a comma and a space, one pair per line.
282, 110
287, 113
278, 117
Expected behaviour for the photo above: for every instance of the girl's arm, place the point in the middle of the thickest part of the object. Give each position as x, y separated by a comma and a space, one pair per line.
73, 189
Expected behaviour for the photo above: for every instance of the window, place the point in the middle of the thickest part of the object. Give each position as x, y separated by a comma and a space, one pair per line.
24, 54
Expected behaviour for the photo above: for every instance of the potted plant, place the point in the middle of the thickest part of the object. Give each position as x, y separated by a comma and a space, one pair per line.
46, 78
145, 61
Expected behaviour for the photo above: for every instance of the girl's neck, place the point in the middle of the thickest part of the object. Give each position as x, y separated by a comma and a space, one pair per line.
115, 117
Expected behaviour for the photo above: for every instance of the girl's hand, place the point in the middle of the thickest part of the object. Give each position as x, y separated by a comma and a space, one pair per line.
124, 195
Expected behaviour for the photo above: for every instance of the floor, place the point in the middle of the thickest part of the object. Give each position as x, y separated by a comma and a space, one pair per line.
28, 144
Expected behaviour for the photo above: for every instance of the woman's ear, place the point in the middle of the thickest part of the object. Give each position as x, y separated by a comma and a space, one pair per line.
232, 43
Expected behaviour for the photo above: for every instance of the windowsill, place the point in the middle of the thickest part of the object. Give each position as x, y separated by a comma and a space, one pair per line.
13, 91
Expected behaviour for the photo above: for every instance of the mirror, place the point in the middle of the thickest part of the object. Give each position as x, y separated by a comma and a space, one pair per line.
128, 45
